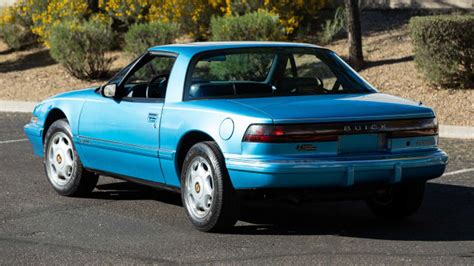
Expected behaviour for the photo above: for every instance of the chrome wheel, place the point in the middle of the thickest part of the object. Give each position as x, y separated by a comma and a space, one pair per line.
199, 188
60, 160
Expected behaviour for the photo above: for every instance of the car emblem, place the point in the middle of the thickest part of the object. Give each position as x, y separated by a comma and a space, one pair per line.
197, 187
59, 159
306, 147
365, 127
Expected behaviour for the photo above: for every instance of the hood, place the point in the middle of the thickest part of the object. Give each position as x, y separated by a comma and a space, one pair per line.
83, 93
340, 107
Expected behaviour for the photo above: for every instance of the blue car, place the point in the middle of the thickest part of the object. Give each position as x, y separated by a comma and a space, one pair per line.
230, 122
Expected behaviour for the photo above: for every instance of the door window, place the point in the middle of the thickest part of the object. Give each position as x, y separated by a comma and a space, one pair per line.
150, 78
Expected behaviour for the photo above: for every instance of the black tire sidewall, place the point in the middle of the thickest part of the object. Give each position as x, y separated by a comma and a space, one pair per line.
406, 199
72, 187
223, 190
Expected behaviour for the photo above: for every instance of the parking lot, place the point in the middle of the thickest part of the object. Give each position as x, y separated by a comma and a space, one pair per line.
126, 223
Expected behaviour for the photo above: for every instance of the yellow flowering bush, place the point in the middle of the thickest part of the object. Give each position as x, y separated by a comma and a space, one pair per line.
194, 16
15, 25
127, 11
46, 14
291, 12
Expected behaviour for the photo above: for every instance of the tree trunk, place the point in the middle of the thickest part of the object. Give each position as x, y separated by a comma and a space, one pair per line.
356, 59
93, 5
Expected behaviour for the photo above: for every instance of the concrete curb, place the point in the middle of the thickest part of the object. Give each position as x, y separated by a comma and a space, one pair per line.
456, 132
445, 131
17, 106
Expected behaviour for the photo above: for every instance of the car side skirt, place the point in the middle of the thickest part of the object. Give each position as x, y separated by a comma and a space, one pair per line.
138, 180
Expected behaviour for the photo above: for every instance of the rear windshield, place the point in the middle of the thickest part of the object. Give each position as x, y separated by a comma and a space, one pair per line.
271, 72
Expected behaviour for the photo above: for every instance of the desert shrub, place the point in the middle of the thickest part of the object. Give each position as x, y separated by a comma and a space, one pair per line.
333, 27
444, 49
16, 36
15, 27
255, 26
251, 66
142, 36
81, 47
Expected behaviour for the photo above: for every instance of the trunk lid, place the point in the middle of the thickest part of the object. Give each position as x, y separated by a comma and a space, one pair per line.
339, 125
333, 108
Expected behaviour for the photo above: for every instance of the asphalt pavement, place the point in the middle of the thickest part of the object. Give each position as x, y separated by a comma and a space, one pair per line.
126, 223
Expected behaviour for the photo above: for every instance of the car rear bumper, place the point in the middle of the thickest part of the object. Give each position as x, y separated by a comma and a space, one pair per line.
246, 173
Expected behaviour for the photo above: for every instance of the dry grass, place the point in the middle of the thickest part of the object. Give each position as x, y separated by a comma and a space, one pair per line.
32, 75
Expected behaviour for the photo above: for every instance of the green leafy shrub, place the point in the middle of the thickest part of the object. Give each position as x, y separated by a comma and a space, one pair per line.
15, 27
140, 37
16, 36
333, 27
444, 49
81, 48
255, 26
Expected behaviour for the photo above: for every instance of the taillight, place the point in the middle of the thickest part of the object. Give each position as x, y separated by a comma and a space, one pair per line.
331, 131
426, 127
287, 133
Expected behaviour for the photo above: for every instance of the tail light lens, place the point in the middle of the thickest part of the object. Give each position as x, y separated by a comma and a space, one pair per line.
287, 133
426, 127
332, 131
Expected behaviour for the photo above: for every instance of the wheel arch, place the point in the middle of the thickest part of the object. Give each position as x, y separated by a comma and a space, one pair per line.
186, 142
53, 115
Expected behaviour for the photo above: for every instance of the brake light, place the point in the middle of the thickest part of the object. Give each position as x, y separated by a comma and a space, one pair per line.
427, 128
290, 133
331, 131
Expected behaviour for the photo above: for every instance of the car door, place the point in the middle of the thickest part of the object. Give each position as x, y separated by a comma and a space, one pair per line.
121, 136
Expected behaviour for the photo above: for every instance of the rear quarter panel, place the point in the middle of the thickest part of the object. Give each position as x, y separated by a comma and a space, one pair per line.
206, 116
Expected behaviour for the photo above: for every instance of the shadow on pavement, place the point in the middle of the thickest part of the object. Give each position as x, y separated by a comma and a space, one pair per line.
124, 190
447, 214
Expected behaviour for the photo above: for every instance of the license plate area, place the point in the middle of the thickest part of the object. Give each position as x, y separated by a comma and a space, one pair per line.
362, 143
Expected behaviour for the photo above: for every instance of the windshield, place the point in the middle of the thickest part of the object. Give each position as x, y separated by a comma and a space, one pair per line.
268, 72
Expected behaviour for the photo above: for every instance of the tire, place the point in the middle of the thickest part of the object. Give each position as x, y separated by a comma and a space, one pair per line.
63, 167
206, 191
398, 202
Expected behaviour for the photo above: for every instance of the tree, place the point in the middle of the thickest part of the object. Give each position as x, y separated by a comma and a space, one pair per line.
356, 58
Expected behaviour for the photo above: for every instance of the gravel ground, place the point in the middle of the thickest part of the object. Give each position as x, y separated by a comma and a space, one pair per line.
390, 68
32, 75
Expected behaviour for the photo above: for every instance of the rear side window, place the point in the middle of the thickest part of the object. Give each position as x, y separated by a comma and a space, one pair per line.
310, 66
234, 67
270, 72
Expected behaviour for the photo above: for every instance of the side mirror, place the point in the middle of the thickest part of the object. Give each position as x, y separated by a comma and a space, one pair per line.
109, 90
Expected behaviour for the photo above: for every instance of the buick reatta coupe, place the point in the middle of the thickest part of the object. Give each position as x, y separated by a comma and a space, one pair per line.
226, 122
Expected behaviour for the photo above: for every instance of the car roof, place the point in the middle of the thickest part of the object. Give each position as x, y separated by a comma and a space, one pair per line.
198, 47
